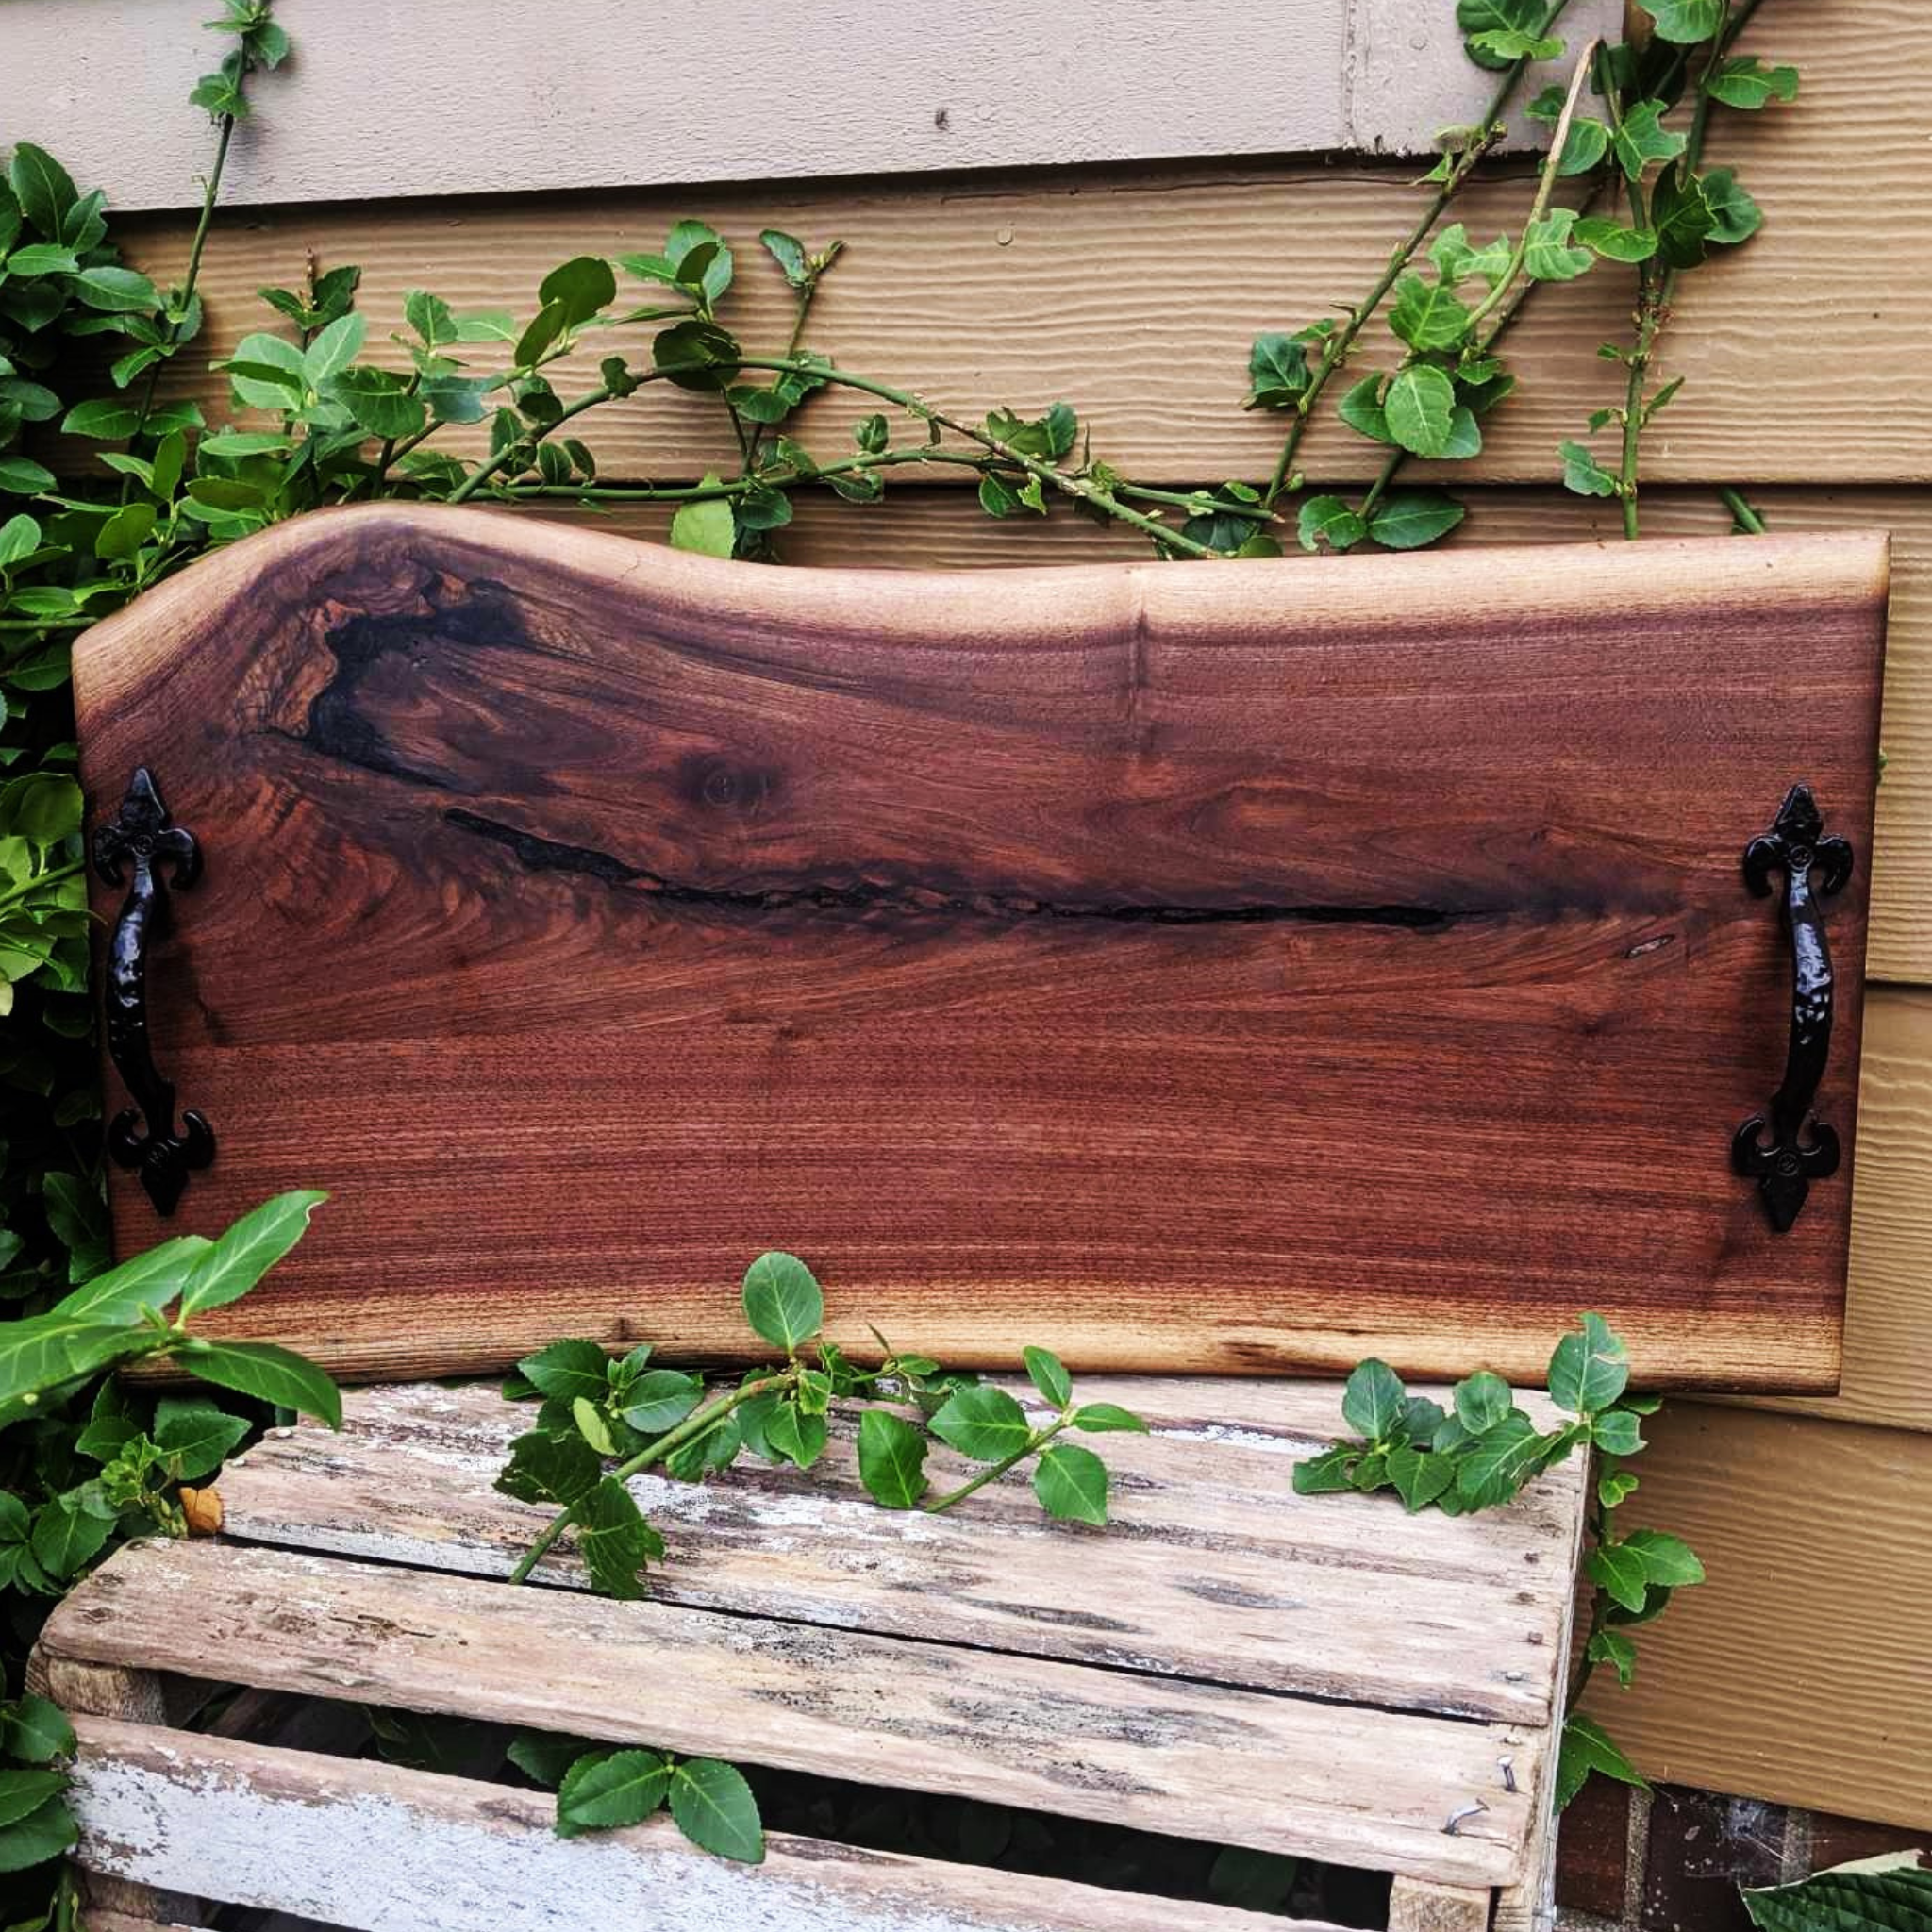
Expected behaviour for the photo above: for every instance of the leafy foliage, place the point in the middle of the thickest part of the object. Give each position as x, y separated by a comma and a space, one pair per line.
1482, 1449
595, 1408
1889, 1893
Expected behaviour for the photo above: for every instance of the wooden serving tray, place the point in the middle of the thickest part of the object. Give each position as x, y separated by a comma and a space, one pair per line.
1246, 967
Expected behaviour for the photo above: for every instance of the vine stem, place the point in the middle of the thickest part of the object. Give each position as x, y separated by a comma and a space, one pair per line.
698, 1423
1742, 514
1037, 1440
1335, 351
1655, 290
52, 876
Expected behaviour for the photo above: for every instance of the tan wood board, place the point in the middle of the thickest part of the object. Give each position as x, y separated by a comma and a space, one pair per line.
1193, 980
1351, 1785
1802, 1671
377, 1847
1213, 1568
1135, 293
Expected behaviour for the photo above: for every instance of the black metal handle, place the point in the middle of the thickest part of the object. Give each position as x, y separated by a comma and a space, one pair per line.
144, 835
1785, 1167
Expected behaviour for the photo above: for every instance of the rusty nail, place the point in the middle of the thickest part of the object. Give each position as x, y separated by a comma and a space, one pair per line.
1508, 1767
1455, 1818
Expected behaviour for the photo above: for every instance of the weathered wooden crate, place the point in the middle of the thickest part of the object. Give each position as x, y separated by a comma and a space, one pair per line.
1228, 1661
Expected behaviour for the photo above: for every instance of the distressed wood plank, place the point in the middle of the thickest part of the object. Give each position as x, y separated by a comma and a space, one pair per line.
380, 1849
1212, 1568
980, 291
1800, 1672
1268, 945
1417, 1906
1198, 1760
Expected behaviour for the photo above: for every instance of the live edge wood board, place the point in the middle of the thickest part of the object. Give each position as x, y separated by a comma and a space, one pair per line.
1234, 968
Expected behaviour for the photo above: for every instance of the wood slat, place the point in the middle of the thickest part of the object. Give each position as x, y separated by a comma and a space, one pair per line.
1363, 1788
1211, 1569
1266, 943
1135, 294
1802, 1671
380, 1849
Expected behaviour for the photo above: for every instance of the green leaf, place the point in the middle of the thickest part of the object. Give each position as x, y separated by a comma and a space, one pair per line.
578, 287
1548, 255
1685, 22
545, 1759
38, 1836
699, 259
1049, 1375
1509, 44
1666, 1559
695, 355
609, 1790
1410, 519
1620, 1572
196, 1438
1478, 18
42, 258
150, 1279
1482, 1401
546, 1468
782, 1300
1615, 1433
592, 1425
35, 1731
704, 527
1420, 409
567, 1370
1071, 1484
1320, 1476
1428, 315
1684, 218
67, 1537
267, 1372
246, 1251
1889, 1893
1587, 1747
266, 373
1614, 242
1278, 373
21, 476
660, 1399
433, 319
1361, 409
1613, 1648
714, 1808
615, 1540
1501, 1460
789, 253
1108, 1418
1746, 82
997, 497
1734, 216
1329, 519
1641, 138
1456, 261
380, 402
891, 1459
1588, 1369
42, 187
1584, 475
42, 1352
1372, 1400
1420, 1476
983, 1424
20, 536
26, 1792
117, 291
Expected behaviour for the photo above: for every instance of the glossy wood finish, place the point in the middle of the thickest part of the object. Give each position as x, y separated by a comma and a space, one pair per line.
1237, 967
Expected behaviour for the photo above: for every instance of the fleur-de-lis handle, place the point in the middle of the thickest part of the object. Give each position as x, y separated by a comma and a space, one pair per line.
143, 838
1785, 1167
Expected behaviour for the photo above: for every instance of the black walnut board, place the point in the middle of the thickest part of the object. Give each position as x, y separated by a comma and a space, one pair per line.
1237, 967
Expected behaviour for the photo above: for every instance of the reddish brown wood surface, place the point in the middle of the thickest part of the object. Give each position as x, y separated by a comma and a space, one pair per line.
1217, 968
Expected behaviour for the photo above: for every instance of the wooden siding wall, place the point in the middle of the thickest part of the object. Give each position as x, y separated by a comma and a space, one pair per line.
1803, 1670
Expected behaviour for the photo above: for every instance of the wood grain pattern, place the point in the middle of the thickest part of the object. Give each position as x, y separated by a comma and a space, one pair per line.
1230, 1765
591, 918
382, 1849
1802, 1671
1213, 1568
1135, 293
